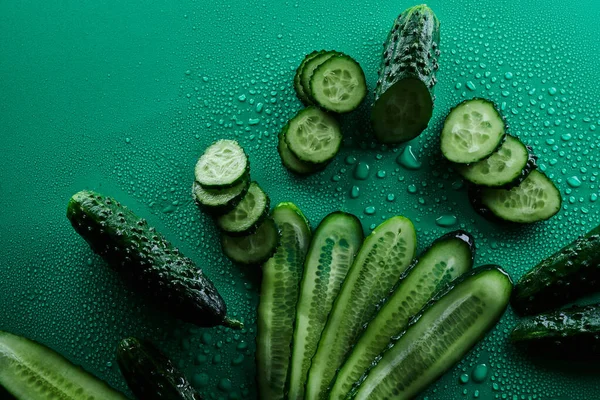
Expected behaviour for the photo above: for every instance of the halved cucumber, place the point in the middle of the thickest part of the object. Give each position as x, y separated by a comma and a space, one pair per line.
509, 165
304, 98
472, 131
329, 258
278, 297
310, 66
535, 199
223, 164
313, 136
438, 337
290, 161
219, 201
31, 371
446, 259
254, 248
247, 216
385, 254
338, 84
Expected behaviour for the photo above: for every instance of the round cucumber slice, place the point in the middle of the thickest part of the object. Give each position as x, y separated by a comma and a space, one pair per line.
220, 200
223, 164
290, 161
473, 130
247, 216
313, 136
309, 68
252, 249
304, 97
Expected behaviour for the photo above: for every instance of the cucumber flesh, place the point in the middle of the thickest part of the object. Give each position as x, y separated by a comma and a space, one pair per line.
313, 136
252, 249
446, 259
329, 257
304, 98
338, 84
293, 163
438, 337
220, 201
309, 67
247, 216
223, 164
31, 371
385, 254
278, 298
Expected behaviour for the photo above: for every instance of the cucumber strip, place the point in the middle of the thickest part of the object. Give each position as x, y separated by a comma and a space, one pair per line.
278, 297
507, 167
304, 98
252, 249
447, 258
385, 254
247, 216
313, 136
338, 84
310, 66
291, 162
223, 164
31, 371
439, 336
472, 131
329, 258
219, 201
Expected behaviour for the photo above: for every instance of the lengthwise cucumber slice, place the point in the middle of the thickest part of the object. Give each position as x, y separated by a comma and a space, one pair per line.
290, 161
472, 131
385, 254
446, 259
329, 258
439, 336
31, 371
223, 164
252, 249
247, 216
278, 297
313, 136
219, 201
338, 84
304, 97
310, 66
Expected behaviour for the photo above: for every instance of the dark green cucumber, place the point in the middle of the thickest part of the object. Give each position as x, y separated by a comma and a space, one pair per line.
329, 257
254, 248
150, 374
147, 261
31, 371
220, 201
278, 297
438, 336
293, 163
571, 272
404, 93
309, 67
385, 254
447, 258
304, 97
248, 215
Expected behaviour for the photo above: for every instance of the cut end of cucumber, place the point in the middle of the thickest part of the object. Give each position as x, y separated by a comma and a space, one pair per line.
338, 84
313, 136
402, 112
223, 164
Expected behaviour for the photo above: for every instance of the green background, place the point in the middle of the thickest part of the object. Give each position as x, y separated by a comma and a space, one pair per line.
123, 96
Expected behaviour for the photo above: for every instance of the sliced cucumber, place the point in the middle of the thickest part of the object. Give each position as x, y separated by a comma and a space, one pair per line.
291, 162
31, 371
219, 201
254, 248
313, 136
310, 66
446, 259
247, 216
329, 258
223, 164
535, 199
385, 254
439, 336
338, 84
304, 98
472, 131
278, 297
508, 166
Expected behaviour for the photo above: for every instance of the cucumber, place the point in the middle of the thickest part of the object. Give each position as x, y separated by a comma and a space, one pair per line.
438, 336
290, 161
278, 297
150, 374
220, 201
505, 168
338, 84
385, 254
404, 92
447, 258
304, 97
472, 131
535, 199
310, 66
252, 249
224, 164
32, 371
566, 275
313, 136
146, 261
329, 257
248, 215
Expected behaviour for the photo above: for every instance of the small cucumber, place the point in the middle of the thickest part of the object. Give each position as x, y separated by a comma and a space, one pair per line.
313, 136
224, 164
248, 215
254, 248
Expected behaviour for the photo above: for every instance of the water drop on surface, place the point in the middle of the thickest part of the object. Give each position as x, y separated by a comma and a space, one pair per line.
407, 159
354, 192
446, 220
480, 373
370, 210
574, 181
412, 189
361, 172
464, 378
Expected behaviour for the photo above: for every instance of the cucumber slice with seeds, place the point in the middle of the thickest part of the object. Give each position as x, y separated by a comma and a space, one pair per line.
472, 131
219, 201
223, 164
247, 216
310, 66
290, 161
313, 136
252, 249
304, 97
338, 84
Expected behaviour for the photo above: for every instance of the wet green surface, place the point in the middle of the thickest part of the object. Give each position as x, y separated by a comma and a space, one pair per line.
122, 97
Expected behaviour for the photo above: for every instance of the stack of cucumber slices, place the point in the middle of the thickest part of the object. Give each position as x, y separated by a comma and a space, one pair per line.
502, 170
223, 188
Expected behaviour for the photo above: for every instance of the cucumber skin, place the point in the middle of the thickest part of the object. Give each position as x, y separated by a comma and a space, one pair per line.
146, 260
225, 208
303, 97
150, 374
571, 272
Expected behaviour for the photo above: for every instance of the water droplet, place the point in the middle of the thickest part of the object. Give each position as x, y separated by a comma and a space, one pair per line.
412, 189
480, 373
361, 172
446, 220
354, 192
350, 160
242, 98
593, 197
407, 159
508, 75
471, 85
574, 181
370, 210
200, 380
464, 378
391, 197
552, 91
225, 385
381, 174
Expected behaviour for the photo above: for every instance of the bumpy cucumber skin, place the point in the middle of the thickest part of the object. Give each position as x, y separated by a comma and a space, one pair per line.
150, 374
303, 97
146, 260
225, 208
571, 272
